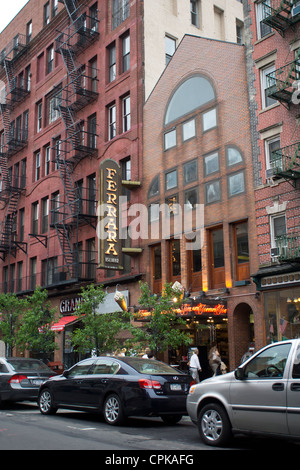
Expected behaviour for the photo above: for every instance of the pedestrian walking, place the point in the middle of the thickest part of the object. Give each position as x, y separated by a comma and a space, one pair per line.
195, 366
214, 359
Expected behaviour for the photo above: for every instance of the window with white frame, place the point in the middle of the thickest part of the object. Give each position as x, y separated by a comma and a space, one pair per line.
195, 7
37, 166
170, 47
262, 28
265, 84
47, 160
111, 122
126, 118
271, 145
39, 116
278, 228
126, 52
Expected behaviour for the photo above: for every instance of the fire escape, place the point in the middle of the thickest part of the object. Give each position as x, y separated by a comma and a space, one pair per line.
283, 85
14, 138
80, 141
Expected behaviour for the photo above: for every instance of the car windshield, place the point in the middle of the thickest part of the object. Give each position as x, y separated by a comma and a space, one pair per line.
20, 364
150, 366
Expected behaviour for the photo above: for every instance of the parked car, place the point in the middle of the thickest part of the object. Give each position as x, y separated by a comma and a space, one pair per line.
261, 397
119, 387
20, 378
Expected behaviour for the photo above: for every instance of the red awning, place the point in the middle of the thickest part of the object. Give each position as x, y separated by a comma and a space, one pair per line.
64, 321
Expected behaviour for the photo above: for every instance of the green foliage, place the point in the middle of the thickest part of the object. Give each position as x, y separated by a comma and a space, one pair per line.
162, 330
11, 308
99, 332
35, 332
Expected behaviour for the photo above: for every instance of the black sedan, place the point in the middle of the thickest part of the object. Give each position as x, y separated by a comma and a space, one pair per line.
119, 387
20, 378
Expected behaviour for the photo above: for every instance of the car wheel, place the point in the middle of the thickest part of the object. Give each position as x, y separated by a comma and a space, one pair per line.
45, 402
113, 410
214, 425
171, 419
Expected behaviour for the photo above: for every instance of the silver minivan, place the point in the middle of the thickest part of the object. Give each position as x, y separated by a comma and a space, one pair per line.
262, 396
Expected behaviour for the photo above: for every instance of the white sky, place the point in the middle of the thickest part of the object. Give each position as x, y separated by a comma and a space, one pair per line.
8, 10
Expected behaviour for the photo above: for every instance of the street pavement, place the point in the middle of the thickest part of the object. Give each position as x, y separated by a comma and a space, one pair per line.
23, 427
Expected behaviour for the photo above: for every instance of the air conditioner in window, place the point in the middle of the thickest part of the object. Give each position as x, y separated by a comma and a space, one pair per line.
296, 9
274, 253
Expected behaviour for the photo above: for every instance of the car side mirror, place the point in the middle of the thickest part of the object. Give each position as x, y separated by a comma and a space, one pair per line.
239, 373
65, 373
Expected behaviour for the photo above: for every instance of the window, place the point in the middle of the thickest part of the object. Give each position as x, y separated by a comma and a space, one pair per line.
37, 173
188, 129
171, 205
23, 173
265, 84
272, 159
236, 183
93, 12
174, 259
35, 218
194, 5
154, 212
212, 192
92, 197
112, 63
54, 8
171, 180
25, 124
50, 59
111, 122
154, 187
93, 69
191, 198
126, 53
47, 160
190, 95
21, 224
170, 139
209, 120
55, 207
211, 163
269, 363
278, 228
39, 116
233, 156
156, 268
190, 172
52, 104
262, 28
19, 276
126, 113
241, 250
57, 148
46, 13
45, 214
28, 31
170, 47
239, 32
120, 11
91, 258
92, 131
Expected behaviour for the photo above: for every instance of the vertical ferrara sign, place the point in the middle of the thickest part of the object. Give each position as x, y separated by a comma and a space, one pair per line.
110, 244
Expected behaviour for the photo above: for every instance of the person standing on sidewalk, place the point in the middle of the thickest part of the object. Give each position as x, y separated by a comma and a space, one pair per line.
195, 366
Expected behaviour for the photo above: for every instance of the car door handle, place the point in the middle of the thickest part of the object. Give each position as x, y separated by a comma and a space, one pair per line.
278, 387
104, 381
295, 387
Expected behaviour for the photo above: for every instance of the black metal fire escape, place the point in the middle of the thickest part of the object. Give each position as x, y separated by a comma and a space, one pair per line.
14, 139
79, 143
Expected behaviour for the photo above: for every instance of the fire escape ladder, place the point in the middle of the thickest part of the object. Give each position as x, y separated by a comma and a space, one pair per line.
71, 7
11, 78
6, 122
6, 241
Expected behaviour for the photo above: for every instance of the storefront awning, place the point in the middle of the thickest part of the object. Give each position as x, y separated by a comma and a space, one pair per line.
63, 322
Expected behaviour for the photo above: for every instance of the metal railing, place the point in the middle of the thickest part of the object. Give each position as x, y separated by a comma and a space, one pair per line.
288, 246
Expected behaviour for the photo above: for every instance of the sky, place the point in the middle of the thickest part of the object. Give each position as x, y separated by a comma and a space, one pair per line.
8, 10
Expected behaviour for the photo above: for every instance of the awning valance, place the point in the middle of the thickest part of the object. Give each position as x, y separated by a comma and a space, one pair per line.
63, 322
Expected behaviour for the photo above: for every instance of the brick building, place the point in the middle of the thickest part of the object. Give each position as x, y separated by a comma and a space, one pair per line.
273, 40
197, 155
76, 75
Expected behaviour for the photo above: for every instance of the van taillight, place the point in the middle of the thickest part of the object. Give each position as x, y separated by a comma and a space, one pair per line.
16, 379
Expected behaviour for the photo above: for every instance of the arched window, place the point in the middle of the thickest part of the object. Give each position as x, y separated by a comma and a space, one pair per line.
191, 94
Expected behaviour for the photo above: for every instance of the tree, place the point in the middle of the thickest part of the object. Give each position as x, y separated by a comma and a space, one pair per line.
35, 332
161, 331
11, 308
100, 330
